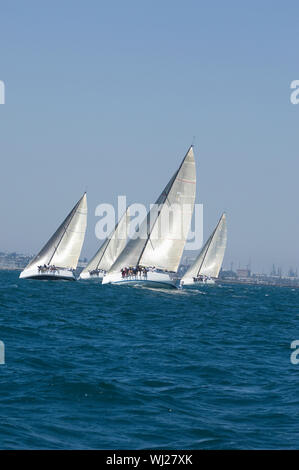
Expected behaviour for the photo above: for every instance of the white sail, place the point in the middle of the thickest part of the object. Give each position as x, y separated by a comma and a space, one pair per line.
210, 258
158, 243
64, 247
112, 246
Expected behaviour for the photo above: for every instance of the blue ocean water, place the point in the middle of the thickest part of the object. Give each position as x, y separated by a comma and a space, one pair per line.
107, 367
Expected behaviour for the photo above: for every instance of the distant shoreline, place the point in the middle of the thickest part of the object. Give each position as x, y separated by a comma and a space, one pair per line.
10, 268
244, 282
258, 283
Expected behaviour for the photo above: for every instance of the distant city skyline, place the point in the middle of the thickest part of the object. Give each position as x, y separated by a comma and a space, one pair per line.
20, 260
107, 97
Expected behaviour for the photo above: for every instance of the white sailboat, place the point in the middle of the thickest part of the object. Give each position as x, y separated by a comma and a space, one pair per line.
109, 250
152, 257
207, 265
59, 257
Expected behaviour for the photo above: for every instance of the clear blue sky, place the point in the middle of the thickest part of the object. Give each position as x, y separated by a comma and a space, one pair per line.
107, 96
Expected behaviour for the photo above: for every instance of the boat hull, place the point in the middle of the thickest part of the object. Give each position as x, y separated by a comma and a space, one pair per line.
190, 284
88, 276
152, 280
58, 275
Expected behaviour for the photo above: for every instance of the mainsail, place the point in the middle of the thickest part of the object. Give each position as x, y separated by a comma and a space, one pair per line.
162, 234
112, 246
64, 247
210, 258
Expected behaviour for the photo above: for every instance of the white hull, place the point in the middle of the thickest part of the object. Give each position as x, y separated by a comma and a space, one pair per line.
190, 283
88, 276
153, 280
48, 275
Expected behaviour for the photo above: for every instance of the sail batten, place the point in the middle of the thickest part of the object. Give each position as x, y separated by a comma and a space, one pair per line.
64, 247
159, 245
209, 261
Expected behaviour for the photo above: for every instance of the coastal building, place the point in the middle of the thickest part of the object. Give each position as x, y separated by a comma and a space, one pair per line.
243, 273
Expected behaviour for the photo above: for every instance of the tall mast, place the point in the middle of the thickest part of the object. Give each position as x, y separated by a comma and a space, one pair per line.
65, 228
209, 244
159, 211
113, 232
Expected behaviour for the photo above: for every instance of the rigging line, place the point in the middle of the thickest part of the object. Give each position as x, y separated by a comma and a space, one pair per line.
174, 178
209, 244
112, 233
65, 229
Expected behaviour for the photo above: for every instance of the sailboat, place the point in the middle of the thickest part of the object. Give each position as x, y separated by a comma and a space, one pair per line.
109, 251
152, 257
207, 265
59, 257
